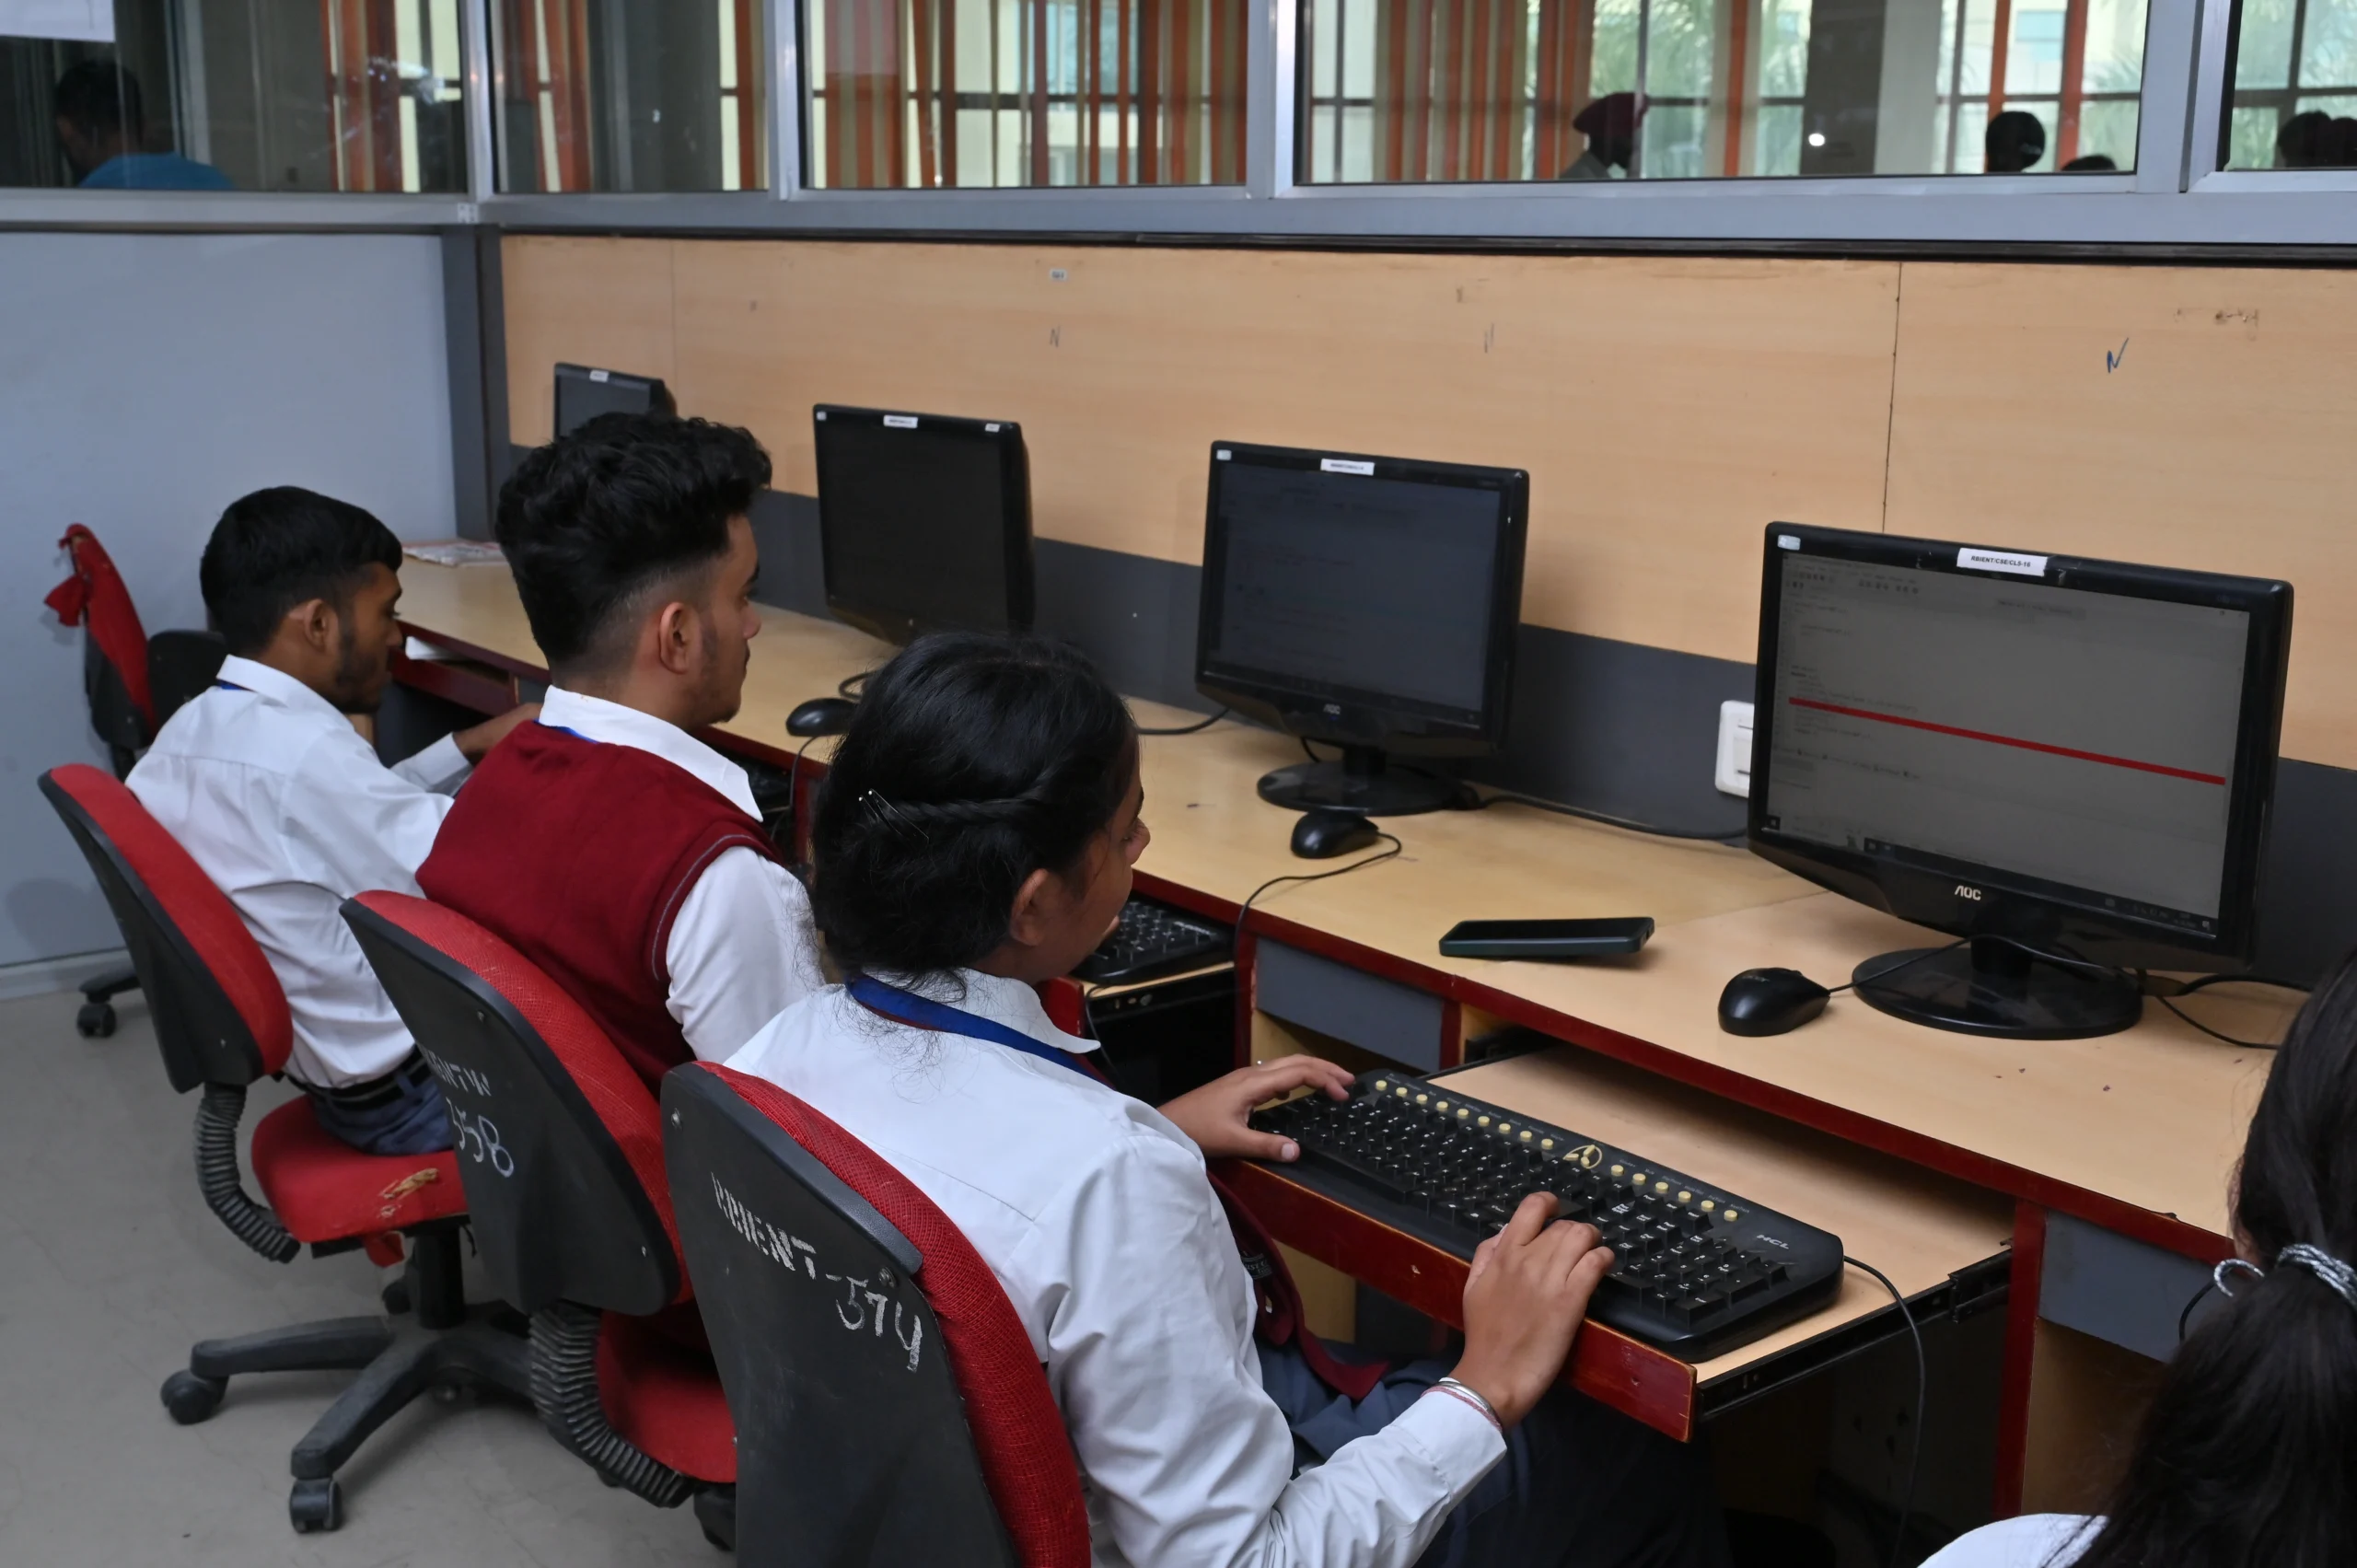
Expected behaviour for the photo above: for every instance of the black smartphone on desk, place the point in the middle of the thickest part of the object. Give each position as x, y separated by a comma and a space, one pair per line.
1547, 938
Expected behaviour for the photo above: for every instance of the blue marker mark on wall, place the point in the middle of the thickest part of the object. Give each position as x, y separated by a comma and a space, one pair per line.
2111, 358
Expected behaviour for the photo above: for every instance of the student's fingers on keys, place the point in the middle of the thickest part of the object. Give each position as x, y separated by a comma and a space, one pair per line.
1530, 1217
1287, 1073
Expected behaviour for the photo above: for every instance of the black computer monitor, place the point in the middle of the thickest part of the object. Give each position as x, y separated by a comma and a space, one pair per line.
925, 521
2060, 759
1370, 602
582, 394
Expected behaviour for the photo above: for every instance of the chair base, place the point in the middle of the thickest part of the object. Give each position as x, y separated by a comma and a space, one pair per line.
96, 1020
447, 1346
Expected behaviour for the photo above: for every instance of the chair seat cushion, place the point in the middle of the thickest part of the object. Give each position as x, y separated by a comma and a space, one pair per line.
324, 1190
660, 1389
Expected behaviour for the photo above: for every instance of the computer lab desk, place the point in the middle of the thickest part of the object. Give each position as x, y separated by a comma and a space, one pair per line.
2081, 1182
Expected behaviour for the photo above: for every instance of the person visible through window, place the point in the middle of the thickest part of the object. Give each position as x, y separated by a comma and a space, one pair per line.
2247, 1458
266, 783
974, 838
1610, 123
103, 128
2015, 141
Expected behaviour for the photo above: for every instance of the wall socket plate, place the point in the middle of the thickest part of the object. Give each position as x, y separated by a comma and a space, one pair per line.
1733, 772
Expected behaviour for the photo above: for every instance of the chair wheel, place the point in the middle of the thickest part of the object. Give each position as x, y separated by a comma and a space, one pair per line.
191, 1398
95, 1021
395, 1297
316, 1504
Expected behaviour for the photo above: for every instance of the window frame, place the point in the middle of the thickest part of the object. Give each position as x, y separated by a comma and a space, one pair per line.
2176, 200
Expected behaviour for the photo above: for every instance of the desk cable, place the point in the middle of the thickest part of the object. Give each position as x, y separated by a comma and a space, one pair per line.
793, 786
1190, 728
849, 686
1360, 865
1922, 1402
2146, 983
1475, 800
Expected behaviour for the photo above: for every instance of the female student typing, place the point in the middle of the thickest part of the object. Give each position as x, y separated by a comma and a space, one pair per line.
2247, 1458
974, 837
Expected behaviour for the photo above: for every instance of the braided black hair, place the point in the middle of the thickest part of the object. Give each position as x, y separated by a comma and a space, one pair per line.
972, 761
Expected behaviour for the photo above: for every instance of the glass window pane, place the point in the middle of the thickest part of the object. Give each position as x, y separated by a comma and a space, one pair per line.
359, 95
607, 95
1670, 89
2293, 102
927, 93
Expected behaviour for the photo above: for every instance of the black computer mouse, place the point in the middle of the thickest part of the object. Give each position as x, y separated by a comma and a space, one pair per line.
821, 715
1769, 1002
1328, 832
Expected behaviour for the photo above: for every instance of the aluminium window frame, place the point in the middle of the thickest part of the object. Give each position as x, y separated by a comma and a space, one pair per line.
2176, 199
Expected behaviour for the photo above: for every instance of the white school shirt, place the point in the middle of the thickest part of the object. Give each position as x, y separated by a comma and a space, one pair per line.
285, 807
1093, 1211
2033, 1540
741, 948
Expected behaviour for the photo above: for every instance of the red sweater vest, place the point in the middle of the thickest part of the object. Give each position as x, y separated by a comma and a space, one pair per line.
580, 855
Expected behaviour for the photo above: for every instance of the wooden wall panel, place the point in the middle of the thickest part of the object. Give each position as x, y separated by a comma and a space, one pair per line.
601, 302
1666, 409
2184, 416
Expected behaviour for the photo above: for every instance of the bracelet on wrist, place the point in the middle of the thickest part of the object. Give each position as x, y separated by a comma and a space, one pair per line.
1450, 1386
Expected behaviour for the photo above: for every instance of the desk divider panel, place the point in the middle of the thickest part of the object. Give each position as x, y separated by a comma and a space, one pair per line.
1392, 1020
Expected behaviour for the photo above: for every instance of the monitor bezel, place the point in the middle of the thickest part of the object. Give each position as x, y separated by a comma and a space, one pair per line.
890, 623
1986, 900
1358, 716
658, 396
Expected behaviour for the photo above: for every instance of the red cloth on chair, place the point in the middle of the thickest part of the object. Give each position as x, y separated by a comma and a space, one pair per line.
1018, 1433
324, 1190
660, 1389
617, 1095
95, 589
199, 911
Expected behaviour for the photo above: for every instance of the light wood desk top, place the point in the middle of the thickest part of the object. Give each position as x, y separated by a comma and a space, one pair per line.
2137, 1131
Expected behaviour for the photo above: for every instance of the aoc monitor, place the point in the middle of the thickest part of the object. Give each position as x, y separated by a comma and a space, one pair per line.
924, 522
2068, 763
582, 394
1369, 602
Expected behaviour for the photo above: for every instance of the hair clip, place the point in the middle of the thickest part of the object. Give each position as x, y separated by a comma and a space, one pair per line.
2218, 1275
883, 811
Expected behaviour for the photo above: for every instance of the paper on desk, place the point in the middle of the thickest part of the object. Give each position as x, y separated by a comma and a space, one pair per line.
456, 552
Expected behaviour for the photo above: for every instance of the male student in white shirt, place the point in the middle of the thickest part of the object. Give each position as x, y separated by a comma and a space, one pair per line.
266, 782
606, 842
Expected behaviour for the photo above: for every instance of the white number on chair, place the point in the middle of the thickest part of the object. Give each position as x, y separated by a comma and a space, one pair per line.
477, 1139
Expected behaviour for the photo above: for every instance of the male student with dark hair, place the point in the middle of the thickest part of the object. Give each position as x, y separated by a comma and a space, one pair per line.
103, 130
610, 845
267, 785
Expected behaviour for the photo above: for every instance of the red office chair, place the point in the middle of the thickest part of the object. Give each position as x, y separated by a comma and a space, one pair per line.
222, 1022
890, 1407
561, 1153
133, 684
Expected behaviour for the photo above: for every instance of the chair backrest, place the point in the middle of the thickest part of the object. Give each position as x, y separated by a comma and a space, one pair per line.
559, 1141
181, 663
890, 1407
220, 1015
114, 646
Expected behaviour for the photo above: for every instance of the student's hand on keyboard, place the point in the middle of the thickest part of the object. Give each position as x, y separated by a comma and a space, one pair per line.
1524, 1301
1213, 1116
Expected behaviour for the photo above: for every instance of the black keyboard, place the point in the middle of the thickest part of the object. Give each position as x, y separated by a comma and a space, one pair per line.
1154, 939
1697, 1270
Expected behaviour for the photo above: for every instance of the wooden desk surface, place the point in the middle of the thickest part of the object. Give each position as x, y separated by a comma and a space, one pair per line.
2137, 1131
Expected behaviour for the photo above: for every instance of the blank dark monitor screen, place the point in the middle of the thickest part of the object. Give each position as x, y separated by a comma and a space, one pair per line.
582, 394
2084, 742
1347, 583
915, 522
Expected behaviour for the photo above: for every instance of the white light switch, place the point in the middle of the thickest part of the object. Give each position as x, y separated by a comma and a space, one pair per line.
1733, 774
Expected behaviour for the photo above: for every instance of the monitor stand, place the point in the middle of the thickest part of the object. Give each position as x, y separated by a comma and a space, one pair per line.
1362, 779
1990, 986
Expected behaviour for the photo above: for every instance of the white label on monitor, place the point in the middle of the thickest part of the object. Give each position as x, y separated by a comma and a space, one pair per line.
1788, 541
1997, 561
601, 374
1344, 465
901, 421
1220, 452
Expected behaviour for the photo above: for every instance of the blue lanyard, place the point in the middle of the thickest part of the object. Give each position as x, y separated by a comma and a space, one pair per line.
919, 1013
220, 685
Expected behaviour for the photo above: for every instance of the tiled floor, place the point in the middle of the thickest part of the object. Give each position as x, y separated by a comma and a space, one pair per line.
110, 1266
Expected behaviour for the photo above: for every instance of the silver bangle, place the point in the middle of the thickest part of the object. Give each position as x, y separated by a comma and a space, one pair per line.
1452, 1385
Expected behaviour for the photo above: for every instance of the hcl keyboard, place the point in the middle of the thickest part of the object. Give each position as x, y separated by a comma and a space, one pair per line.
1697, 1269
1152, 940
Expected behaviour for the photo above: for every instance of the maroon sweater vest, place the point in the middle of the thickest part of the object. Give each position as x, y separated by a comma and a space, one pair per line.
579, 855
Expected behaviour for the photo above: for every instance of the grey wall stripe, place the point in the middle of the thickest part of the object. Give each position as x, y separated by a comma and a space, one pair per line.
1613, 726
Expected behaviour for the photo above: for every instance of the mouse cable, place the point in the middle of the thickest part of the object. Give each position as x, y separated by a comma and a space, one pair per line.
1922, 1402
1907, 962
1245, 907
2145, 982
792, 787
1703, 835
849, 686
1190, 728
